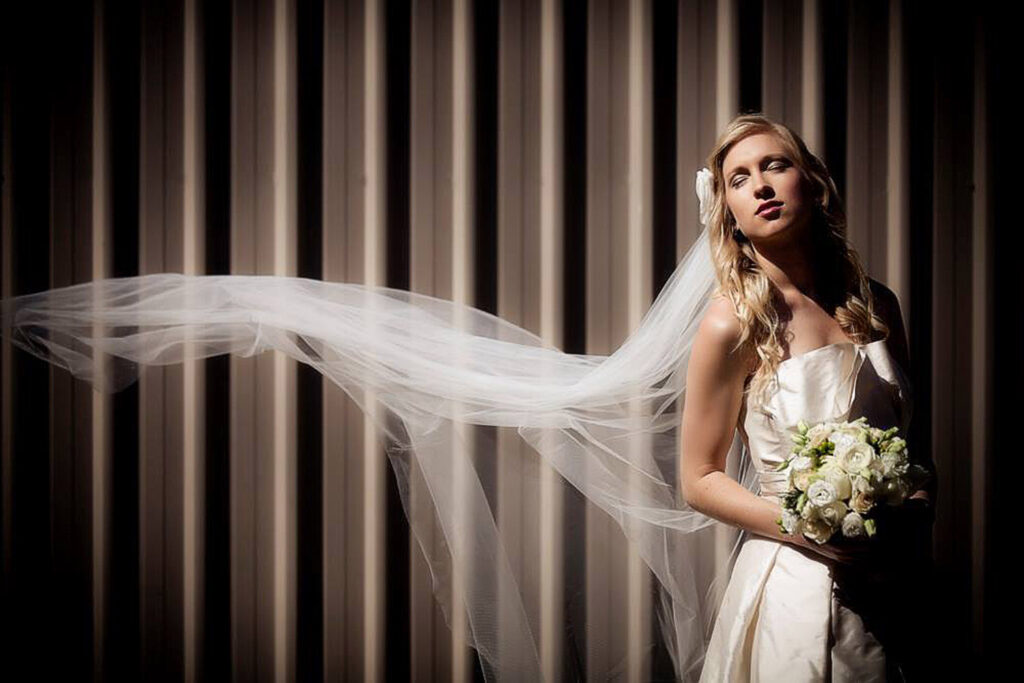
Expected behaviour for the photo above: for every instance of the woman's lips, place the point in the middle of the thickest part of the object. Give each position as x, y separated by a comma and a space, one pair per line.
770, 212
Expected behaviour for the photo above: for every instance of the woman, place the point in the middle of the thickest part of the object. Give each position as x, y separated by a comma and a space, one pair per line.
794, 307
602, 422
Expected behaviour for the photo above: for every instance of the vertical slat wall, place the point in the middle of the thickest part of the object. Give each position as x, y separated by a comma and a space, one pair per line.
192, 456
351, 143
263, 241
618, 264
236, 516
431, 224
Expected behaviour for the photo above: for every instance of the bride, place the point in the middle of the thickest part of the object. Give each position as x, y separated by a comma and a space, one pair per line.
767, 320
794, 307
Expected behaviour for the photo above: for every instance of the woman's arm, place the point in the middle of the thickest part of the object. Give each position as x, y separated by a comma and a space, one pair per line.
714, 395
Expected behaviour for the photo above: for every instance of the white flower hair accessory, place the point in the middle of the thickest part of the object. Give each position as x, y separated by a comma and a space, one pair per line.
705, 193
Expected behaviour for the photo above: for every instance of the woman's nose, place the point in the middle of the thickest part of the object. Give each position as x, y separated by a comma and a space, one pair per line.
763, 189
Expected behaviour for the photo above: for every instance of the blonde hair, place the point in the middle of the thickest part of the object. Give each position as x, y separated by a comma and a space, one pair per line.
842, 281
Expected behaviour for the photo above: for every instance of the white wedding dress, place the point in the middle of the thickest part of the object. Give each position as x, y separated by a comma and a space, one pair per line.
782, 616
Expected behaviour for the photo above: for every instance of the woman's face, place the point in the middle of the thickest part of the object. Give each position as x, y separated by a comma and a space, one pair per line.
760, 174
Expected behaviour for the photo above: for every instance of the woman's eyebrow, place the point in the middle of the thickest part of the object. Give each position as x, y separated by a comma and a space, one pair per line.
765, 158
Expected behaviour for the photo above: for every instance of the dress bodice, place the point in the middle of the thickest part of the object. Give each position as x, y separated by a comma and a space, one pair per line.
836, 382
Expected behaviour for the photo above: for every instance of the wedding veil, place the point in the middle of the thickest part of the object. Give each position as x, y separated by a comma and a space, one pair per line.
609, 425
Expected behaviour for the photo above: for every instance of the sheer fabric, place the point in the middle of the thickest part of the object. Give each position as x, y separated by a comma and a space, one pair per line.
426, 370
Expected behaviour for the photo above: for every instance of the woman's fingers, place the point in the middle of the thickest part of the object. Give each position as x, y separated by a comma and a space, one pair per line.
855, 551
860, 552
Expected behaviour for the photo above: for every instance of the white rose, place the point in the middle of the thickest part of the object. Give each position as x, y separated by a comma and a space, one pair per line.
853, 525
821, 492
854, 456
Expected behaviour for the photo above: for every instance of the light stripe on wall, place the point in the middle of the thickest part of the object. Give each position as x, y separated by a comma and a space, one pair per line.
100, 449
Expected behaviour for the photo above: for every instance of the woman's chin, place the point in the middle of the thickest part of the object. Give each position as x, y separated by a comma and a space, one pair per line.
781, 230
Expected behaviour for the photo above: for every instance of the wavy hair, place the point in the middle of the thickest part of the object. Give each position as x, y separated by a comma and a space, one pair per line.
840, 278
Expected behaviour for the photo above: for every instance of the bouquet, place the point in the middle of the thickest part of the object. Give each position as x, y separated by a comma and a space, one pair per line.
841, 475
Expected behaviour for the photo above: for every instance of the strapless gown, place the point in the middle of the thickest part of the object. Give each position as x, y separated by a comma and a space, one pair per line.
784, 615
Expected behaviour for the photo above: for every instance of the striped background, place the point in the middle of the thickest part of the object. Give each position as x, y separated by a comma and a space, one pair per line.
235, 517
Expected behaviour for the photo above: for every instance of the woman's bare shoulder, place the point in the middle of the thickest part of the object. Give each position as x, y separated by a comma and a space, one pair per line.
724, 329
718, 334
721, 320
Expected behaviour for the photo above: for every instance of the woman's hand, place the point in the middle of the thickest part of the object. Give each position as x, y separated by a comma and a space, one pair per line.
901, 546
848, 551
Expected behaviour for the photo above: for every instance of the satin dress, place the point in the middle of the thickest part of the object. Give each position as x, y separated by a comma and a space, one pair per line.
784, 615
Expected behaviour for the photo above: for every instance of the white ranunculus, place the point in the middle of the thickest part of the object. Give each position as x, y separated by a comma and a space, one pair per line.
791, 522
802, 479
801, 469
853, 525
810, 513
840, 441
817, 435
836, 476
833, 513
854, 456
801, 463
895, 490
901, 459
860, 484
822, 492
862, 501
818, 530
848, 434
890, 463
874, 472
877, 467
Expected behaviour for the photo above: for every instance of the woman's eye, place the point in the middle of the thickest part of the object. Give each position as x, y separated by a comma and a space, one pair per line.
778, 165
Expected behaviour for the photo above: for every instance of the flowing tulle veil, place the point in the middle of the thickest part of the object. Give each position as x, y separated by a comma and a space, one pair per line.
426, 370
